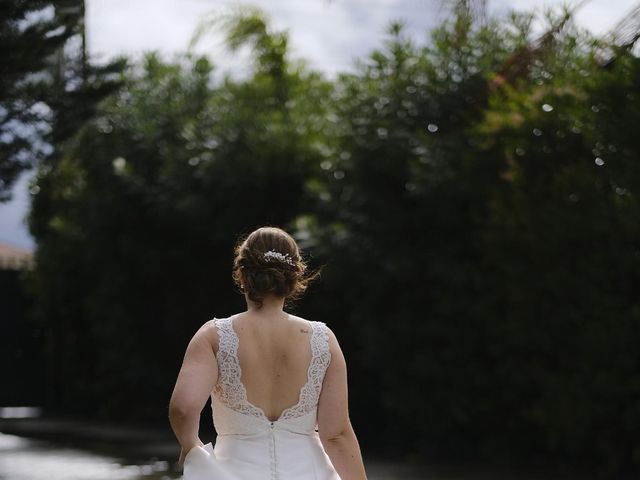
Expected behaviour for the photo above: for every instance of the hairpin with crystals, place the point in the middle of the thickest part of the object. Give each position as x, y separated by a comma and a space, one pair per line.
281, 257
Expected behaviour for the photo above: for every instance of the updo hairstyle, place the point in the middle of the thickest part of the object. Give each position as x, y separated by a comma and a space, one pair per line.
282, 273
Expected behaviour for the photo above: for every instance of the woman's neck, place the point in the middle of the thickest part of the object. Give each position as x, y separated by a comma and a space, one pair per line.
271, 305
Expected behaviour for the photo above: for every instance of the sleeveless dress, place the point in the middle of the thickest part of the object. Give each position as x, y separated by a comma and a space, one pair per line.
250, 446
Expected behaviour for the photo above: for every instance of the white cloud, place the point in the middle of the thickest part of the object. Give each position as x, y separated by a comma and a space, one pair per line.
598, 16
330, 34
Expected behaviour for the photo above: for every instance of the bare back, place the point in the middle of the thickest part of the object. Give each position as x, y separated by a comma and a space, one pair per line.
274, 355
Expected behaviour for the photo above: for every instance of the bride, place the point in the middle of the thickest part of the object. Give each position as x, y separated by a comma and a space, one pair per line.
277, 382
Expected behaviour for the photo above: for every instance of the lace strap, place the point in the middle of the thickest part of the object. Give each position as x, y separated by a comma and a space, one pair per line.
320, 359
229, 387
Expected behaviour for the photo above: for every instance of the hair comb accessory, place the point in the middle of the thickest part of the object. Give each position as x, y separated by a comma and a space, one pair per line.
281, 257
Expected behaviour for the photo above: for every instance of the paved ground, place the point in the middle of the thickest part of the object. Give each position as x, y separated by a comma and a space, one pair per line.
134, 439
51, 448
71, 449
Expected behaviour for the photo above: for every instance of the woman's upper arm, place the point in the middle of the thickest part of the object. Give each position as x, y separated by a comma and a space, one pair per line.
333, 408
198, 374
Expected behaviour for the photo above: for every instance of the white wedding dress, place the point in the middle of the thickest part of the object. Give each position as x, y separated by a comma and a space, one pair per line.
248, 445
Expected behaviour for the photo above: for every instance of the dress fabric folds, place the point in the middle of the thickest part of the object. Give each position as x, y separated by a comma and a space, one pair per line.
250, 446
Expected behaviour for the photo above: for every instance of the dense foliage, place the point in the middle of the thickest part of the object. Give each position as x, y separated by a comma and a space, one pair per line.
472, 199
481, 201
136, 224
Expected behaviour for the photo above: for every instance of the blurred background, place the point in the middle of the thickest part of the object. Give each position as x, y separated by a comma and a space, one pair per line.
467, 172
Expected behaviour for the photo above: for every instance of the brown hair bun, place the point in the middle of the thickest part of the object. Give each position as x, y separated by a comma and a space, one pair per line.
268, 261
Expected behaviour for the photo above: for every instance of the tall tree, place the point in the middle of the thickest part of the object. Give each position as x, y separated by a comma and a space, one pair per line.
47, 85
471, 210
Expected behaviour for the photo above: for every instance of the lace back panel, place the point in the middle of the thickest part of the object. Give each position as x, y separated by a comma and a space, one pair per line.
232, 392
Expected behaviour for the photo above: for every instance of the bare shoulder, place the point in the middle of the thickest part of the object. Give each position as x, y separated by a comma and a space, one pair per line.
208, 332
302, 325
304, 328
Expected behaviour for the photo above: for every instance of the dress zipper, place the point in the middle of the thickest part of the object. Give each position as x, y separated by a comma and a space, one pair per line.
274, 471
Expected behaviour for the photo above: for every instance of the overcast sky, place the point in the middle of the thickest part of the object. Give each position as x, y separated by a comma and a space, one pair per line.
329, 34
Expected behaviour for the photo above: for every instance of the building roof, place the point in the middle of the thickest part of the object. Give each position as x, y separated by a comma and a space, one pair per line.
15, 258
